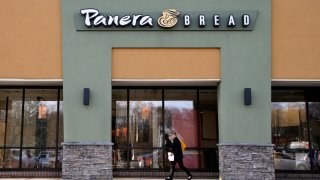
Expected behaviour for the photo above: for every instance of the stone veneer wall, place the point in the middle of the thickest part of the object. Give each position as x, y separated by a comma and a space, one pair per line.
246, 161
87, 160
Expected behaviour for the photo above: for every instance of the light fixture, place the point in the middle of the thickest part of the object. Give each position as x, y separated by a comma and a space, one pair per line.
247, 96
86, 96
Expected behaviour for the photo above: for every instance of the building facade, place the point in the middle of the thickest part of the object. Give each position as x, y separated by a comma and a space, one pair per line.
89, 89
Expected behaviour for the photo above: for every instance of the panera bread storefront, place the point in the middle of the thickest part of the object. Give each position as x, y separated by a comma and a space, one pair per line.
103, 81
156, 66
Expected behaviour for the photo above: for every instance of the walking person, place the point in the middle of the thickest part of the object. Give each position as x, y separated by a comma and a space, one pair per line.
167, 147
178, 156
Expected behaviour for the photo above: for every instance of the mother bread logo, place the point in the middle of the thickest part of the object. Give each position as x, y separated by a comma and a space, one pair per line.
169, 18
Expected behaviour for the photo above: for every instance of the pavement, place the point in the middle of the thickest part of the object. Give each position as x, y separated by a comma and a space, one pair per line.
113, 179
142, 178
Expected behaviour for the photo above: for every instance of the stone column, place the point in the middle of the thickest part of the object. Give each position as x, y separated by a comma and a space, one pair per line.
246, 161
87, 160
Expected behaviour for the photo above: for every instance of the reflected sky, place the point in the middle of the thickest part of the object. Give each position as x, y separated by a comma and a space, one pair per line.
168, 104
285, 105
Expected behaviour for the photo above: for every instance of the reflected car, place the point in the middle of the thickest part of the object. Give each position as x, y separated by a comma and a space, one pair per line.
145, 159
286, 162
27, 161
299, 145
44, 159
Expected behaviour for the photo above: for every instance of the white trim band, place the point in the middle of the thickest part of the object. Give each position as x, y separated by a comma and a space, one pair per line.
295, 82
88, 143
30, 82
165, 82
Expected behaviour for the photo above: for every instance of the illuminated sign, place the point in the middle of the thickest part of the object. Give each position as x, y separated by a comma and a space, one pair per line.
169, 19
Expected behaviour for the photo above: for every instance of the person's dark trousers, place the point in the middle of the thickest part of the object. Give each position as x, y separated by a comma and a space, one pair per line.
173, 167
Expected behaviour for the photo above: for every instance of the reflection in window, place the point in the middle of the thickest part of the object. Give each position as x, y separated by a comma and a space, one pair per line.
289, 124
40, 118
191, 159
181, 114
11, 108
120, 158
145, 127
208, 129
33, 158
290, 131
208, 118
145, 123
38, 147
209, 159
60, 135
143, 158
119, 118
314, 121
11, 158
142, 110
291, 161
145, 118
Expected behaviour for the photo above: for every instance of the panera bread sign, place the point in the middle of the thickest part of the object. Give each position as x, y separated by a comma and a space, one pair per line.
170, 19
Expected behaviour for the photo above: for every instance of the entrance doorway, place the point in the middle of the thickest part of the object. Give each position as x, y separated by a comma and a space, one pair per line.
141, 118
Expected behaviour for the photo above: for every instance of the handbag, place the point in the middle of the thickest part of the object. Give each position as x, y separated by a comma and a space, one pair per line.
183, 145
170, 156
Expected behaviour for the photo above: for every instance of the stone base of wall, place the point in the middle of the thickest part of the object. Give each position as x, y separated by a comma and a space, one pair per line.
30, 173
87, 160
160, 174
246, 161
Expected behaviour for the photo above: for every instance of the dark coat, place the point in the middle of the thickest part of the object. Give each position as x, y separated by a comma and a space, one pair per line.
176, 149
168, 144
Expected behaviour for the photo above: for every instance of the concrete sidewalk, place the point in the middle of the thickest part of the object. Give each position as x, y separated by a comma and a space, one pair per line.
113, 178
142, 178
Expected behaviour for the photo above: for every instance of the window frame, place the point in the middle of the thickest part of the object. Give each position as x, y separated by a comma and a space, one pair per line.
308, 96
163, 88
57, 149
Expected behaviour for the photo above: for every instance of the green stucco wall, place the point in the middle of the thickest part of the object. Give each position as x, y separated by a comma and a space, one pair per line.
245, 62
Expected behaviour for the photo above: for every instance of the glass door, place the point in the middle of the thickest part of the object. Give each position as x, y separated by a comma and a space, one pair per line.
145, 127
314, 126
142, 117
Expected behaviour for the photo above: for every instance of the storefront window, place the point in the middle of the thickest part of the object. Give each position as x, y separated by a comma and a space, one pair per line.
208, 118
146, 158
209, 158
145, 127
313, 99
181, 114
290, 130
40, 118
35, 158
120, 158
60, 119
11, 107
314, 121
152, 112
145, 122
119, 118
11, 158
59, 159
28, 128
